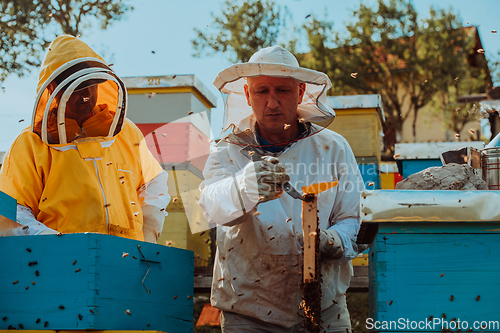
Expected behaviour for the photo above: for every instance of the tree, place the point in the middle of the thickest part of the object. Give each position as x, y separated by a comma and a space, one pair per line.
27, 26
389, 51
242, 29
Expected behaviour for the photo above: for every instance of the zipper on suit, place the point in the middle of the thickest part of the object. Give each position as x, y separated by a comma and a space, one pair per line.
103, 195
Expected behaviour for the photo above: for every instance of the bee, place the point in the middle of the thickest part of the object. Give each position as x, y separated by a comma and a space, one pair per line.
80, 316
338, 316
287, 126
312, 233
132, 203
478, 297
271, 238
189, 297
74, 263
283, 271
288, 220
396, 155
190, 112
443, 315
15, 282
442, 275
208, 240
452, 298
164, 135
234, 278
168, 243
457, 135
28, 249
175, 297
353, 75
251, 152
91, 311
256, 213
60, 124
77, 270
107, 205
390, 303
230, 249
481, 51
109, 163
61, 307
32, 263
124, 254
134, 257
38, 320
128, 312
27, 288
240, 295
431, 317
257, 280
269, 312
270, 227
202, 233
371, 183
33, 282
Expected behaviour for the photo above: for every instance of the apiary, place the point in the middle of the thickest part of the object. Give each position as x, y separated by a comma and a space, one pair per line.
94, 282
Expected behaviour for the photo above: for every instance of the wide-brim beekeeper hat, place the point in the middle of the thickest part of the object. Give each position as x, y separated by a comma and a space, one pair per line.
277, 62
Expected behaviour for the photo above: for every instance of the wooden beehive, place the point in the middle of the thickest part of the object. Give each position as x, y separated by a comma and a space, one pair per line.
94, 282
433, 267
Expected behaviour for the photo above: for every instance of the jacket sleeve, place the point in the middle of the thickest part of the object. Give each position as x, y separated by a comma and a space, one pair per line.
345, 216
21, 176
222, 199
155, 200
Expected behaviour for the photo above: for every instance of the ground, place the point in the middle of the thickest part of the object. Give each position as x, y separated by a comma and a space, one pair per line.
356, 302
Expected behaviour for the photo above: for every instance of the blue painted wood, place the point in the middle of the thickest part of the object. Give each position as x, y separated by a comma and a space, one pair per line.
96, 286
418, 275
439, 227
410, 167
370, 174
8, 206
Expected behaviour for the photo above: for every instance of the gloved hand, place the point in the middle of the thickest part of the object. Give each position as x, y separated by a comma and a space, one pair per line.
153, 219
263, 179
330, 244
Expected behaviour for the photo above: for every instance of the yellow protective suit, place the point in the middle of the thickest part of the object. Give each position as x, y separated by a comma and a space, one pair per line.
91, 183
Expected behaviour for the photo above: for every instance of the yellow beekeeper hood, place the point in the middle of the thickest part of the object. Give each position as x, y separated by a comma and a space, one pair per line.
78, 95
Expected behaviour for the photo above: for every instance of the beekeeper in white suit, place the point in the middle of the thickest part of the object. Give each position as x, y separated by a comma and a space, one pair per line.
270, 103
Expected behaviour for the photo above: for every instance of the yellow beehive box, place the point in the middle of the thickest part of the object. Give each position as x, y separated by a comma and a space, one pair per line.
185, 215
359, 120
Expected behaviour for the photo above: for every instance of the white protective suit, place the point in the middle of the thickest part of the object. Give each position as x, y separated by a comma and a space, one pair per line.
258, 264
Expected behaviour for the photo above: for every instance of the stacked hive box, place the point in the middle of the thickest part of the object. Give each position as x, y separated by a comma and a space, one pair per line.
173, 112
359, 120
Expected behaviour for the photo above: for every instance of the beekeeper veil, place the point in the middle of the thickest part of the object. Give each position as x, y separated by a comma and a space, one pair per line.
78, 96
272, 61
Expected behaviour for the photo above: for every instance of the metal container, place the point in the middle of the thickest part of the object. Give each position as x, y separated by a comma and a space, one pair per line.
491, 167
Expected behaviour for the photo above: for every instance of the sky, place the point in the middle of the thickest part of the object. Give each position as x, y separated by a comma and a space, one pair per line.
167, 28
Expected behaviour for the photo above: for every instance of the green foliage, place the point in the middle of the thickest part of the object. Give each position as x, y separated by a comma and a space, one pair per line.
27, 26
389, 51
242, 29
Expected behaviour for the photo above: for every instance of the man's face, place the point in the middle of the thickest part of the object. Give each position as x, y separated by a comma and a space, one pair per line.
81, 103
274, 103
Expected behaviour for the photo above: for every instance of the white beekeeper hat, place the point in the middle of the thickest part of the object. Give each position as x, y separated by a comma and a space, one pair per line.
271, 61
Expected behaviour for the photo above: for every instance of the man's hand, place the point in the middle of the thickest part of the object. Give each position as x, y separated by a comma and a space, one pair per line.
330, 244
264, 178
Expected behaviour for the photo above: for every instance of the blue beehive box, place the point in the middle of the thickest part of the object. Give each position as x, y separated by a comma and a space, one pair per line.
433, 272
88, 282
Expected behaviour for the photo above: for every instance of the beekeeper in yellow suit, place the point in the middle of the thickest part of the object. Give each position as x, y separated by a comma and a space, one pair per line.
82, 166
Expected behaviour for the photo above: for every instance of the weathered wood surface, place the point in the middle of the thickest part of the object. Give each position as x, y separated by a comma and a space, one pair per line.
309, 231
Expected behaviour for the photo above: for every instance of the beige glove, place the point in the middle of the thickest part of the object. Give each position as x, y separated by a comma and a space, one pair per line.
264, 178
330, 244
152, 223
